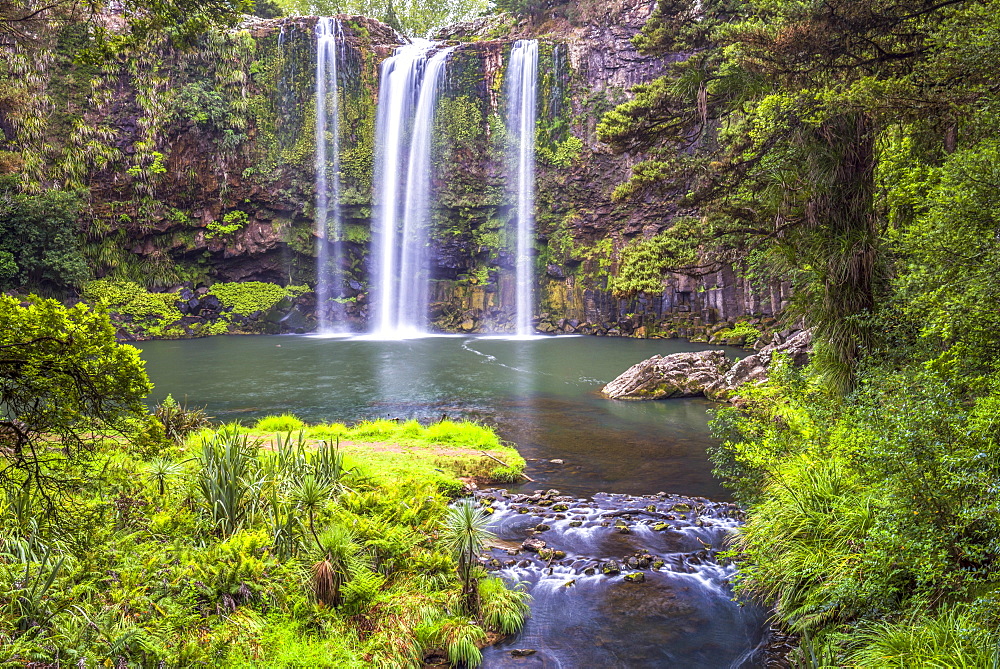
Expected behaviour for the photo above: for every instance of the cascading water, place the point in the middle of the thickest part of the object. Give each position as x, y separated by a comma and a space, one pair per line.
522, 76
407, 100
329, 260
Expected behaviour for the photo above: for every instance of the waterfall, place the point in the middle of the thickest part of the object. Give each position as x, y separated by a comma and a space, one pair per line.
408, 89
329, 257
521, 94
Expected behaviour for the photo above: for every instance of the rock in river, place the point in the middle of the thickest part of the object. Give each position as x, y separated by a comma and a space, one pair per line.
663, 377
708, 373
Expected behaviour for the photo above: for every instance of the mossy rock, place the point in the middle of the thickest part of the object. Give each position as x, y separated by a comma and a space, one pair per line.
610, 568
636, 577
560, 507
661, 526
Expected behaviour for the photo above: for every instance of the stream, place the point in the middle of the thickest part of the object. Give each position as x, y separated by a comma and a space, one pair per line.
542, 394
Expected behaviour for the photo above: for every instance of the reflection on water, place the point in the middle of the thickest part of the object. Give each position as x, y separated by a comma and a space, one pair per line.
542, 393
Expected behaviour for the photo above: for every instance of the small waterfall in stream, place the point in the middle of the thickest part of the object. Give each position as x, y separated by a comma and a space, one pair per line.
329, 253
522, 88
408, 91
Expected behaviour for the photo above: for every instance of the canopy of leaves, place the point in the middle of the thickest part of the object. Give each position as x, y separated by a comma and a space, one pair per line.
776, 125
415, 18
39, 239
63, 378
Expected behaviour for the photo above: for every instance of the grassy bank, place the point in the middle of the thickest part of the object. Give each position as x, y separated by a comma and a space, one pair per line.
264, 546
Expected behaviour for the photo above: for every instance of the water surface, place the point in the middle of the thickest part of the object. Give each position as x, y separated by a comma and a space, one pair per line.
542, 394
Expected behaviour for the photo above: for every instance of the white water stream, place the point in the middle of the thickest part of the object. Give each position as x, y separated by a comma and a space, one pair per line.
329, 253
522, 88
408, 92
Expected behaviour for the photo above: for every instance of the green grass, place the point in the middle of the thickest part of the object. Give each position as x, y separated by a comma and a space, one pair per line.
441, 453
286, 422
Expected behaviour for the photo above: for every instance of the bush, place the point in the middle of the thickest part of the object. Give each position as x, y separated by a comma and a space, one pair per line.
40, 242
248, 297
142, 312
179, 421
741, 330
503, 609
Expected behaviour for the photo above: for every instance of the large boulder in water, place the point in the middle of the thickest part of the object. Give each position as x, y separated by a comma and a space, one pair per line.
663, 377
708, 373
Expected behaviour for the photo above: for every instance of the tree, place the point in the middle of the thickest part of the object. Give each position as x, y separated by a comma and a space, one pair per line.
772, 125
23, 22
63, 380
413, 17
40, 239
465, 532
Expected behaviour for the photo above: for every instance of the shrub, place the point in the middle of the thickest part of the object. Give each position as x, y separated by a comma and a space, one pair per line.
741, 330
179, 421
247, 297
503, 609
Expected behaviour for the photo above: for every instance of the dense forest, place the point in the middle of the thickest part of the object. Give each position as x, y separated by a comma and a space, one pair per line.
842, 154
851, 146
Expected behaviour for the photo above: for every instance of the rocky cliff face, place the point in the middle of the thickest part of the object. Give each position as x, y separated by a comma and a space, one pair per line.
200, 168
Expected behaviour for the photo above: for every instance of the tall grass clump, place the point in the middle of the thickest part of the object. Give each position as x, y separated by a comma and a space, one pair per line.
951, 638
286, 422
462, 433
501, 608
800, 547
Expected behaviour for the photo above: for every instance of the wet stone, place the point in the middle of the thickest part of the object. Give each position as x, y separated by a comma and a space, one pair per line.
637, 577
532, 544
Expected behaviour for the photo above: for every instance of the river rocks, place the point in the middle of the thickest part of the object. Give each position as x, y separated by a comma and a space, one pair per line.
635, 577
663, 377
532, 544
610, 568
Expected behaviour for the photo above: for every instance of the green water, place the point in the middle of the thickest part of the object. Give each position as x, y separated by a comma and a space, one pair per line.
541, 393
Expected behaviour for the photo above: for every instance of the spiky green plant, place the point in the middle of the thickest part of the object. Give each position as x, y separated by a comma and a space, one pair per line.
229, 480
311, 495
465, 532
31, 604
328, 465
341, 553
160, 470
179, 420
